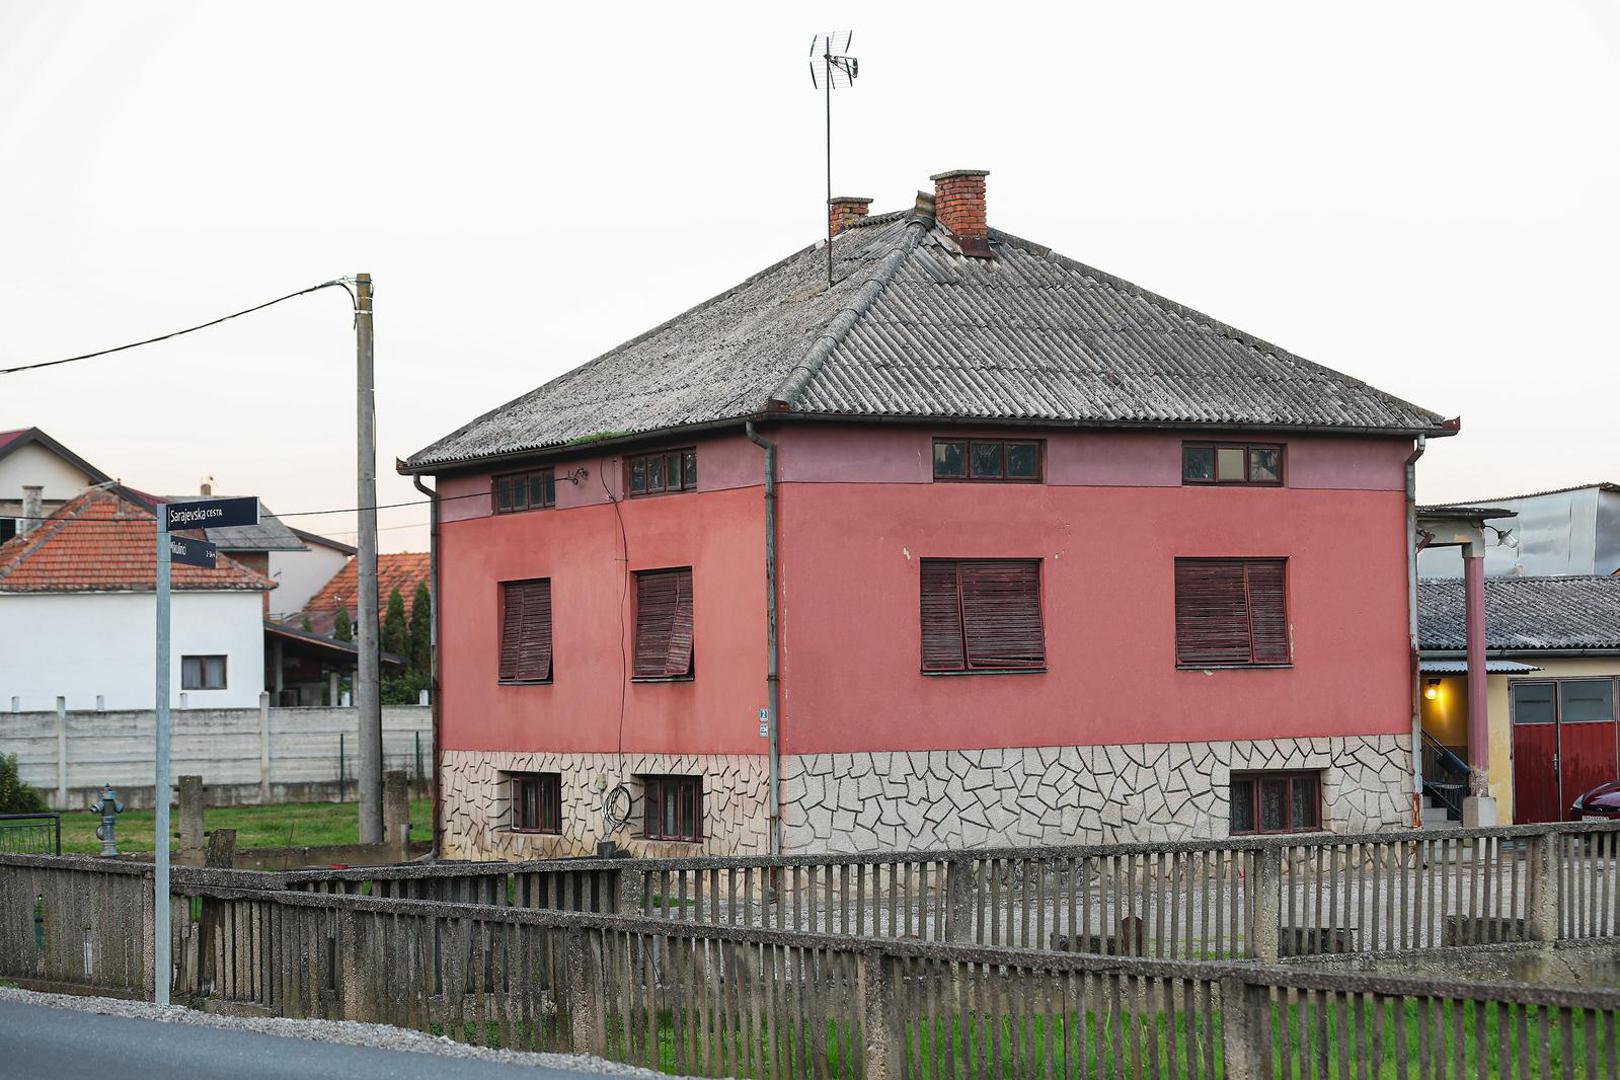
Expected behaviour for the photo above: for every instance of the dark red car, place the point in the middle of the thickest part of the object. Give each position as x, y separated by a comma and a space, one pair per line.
1602, 801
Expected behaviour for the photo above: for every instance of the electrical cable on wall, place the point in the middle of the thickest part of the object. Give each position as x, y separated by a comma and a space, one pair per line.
615, 815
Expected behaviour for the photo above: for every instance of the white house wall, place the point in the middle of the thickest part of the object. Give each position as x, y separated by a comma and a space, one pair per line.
299, 575
79, 645
33, 464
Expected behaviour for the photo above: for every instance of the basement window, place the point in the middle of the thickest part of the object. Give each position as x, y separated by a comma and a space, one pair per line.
1254, 464
536, 802
670, 470
1276, 802
674, 808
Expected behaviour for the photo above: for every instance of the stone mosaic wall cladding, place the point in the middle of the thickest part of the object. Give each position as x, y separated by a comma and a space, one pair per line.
476, 809
1088, 794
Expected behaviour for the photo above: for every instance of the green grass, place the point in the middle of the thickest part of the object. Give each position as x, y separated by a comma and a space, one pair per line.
1097, 1044
284, 825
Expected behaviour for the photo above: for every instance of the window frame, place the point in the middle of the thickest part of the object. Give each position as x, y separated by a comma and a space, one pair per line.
202, 671
1287, 612
549, 502
678, 573
1255, 776
688, 483
967, 667
503, 679
967, 477
652, 817
548, 802
1217, 445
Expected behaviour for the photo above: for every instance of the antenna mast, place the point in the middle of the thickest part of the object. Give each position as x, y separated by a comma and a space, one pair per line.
830, 66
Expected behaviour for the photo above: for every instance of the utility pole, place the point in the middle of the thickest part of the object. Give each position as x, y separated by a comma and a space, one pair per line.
161, 964
367, 689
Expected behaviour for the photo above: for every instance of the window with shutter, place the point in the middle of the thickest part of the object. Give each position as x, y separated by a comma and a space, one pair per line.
1231, 612
982, 615
663, 624
526, 631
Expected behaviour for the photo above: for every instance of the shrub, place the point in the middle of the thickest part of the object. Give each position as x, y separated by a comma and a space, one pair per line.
17, 797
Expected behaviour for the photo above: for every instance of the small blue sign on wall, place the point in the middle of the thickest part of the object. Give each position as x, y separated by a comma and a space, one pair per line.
764, 723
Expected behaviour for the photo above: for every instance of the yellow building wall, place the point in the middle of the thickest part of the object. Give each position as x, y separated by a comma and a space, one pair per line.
1446, 717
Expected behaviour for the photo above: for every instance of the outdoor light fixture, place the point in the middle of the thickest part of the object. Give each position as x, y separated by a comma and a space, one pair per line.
1504, 537
1431, 688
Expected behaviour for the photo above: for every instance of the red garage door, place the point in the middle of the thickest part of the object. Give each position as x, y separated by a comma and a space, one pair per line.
1566, 740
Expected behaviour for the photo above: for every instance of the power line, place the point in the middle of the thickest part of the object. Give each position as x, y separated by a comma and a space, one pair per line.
174, 334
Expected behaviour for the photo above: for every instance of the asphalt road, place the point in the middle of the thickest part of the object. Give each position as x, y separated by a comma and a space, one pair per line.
39, 1043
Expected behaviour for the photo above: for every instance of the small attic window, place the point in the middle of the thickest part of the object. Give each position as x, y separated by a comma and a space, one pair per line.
668, 470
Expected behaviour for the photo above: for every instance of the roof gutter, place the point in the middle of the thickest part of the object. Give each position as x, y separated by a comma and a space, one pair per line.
773, 678
1537, 654
433, 650
1413, 546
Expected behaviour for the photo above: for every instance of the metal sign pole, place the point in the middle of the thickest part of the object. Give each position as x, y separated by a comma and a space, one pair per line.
160, 872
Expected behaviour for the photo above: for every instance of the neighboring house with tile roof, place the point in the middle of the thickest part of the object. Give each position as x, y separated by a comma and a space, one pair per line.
1564, 531
34, 465
402, 570
1049, 558
1553, 685
77, 612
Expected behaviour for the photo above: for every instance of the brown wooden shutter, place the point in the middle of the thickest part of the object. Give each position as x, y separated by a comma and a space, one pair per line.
511, 627
942, 648
526, 630
1268, 611
664, 624
1212, 612
1001, 614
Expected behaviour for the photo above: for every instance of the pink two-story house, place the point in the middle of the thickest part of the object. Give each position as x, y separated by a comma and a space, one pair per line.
975, 545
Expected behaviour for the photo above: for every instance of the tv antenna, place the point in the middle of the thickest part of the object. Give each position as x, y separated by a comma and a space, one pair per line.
831, 66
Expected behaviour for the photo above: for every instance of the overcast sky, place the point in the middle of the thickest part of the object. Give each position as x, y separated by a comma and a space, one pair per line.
1423, 195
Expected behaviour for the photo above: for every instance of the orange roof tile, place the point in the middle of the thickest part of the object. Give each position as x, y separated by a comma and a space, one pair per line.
102, 542
402, 570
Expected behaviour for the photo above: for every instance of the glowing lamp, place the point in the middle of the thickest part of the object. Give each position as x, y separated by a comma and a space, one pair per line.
1431, 688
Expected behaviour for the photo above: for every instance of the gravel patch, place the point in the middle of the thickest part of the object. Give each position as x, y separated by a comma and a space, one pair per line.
346, 1032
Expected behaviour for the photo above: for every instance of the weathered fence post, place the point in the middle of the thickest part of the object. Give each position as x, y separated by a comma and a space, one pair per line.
397, 813
959, 901
880, 1015
191, 813
264, 746
1242, 1045
1265, 931
629, 890
61, 753
586, 1007
1541, 885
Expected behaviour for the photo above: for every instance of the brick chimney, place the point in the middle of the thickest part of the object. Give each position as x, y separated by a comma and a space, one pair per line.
33, 508
844, 209
959, 206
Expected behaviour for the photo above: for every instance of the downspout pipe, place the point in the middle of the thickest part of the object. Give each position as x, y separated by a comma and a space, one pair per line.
433, 649
773, 680
1412, 549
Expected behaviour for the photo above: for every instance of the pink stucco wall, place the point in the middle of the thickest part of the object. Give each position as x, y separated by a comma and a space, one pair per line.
858, 511
851, 671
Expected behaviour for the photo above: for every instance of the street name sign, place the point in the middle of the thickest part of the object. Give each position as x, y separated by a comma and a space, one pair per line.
191, 552
212, 513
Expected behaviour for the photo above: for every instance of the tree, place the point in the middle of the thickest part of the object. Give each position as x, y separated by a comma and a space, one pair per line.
395, 635
17, 797
422, 629
308, 626
342, 627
